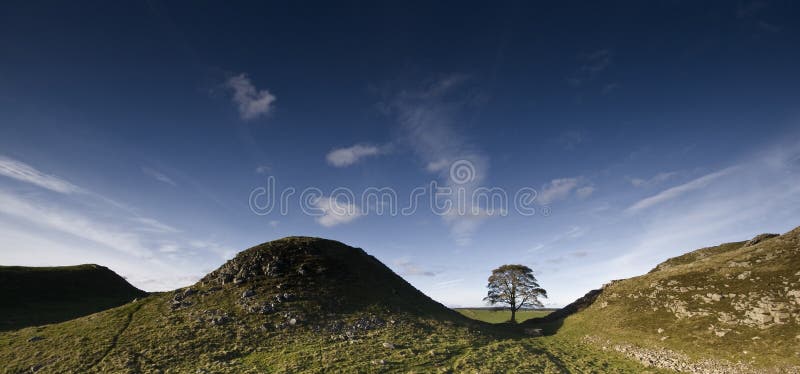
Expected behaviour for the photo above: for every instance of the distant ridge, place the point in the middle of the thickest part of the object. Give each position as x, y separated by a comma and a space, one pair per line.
34, 296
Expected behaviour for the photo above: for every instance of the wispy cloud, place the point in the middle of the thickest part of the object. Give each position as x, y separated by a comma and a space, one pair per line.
559, 189
584, 192
252, 102
263, 169
159, 176
406, 267
51, 230
342, 157
335, 212
71, 223
677, 191
448, 283
152, 225
591, 65
655, 180
25, 173
427, 118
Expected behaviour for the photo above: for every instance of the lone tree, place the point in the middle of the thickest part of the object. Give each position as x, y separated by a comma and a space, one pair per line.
515, 286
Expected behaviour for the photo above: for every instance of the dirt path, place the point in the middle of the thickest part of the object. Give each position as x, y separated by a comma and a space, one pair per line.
115, 339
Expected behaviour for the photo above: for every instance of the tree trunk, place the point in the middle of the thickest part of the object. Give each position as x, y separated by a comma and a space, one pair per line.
513, 315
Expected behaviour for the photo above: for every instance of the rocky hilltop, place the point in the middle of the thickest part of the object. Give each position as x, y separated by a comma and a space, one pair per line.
729, 308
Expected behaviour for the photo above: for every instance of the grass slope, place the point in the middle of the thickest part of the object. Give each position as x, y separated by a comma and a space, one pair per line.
294, 305
733, 307
491, 315
39, 295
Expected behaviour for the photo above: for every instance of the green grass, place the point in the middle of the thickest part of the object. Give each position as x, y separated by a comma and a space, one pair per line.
500, 316
341, 288
632, 311
39, 295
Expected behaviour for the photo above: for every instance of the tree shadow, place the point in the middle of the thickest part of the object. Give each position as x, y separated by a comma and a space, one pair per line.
551, 323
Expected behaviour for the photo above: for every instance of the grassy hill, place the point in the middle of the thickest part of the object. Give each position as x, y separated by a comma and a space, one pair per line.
729, 308
294, 305
40, 295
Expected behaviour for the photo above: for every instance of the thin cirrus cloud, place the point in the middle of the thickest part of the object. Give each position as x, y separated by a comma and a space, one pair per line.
561, 189
25, 173
426, 117
655, 180
674, 192
407, 267
251, 102
72, 222
159, 176
56, 220
343, 157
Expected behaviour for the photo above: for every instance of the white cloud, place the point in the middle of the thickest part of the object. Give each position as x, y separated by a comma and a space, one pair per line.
448, 283
676, 191
437, 166
77, 225
252, 103
655, 180
23, 172
342, 157
406, 267
557, 189
87, 227
152, 225
427, 119
463, 225
159, 176
263, 169
335, 212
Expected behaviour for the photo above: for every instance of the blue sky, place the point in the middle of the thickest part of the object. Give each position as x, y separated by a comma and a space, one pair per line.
132, 135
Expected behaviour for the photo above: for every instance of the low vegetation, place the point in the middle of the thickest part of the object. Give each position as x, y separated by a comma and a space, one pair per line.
312, 305
34, 296
496, 315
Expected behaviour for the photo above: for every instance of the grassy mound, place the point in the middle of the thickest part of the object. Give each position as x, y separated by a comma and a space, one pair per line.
39, 295
733, 307
293, 305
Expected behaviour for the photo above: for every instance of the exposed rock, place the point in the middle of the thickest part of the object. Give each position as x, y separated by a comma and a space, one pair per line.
35, 339
759, 238
248, 293
388, 345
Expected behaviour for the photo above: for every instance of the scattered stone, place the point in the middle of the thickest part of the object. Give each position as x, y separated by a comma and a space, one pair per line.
533, 332
744, 275
248, 293
388, 345
35, 339
759, 238
660, 330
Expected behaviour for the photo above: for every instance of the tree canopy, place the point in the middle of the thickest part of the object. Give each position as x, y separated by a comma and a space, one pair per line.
515, 286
